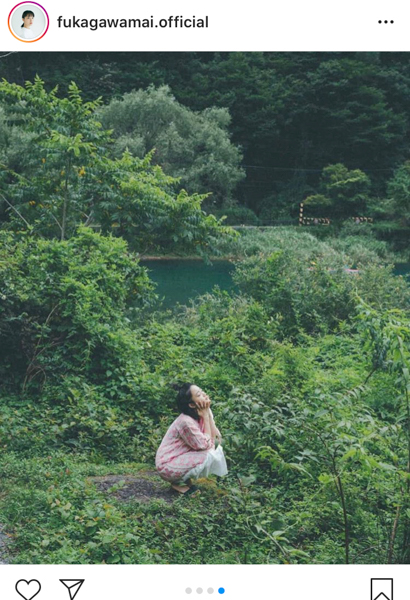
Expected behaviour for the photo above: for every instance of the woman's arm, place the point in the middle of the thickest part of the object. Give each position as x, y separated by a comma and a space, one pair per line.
203, 403
193, 437
209, 425
216, 434
208, 422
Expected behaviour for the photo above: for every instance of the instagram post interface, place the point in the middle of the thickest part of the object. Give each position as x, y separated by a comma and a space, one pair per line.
204, 301
205, 304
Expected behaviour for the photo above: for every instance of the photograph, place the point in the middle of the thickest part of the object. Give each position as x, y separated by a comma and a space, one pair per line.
204, 307
28, 22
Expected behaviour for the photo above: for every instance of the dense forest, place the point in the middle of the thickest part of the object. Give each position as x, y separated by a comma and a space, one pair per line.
289, 115
106, 158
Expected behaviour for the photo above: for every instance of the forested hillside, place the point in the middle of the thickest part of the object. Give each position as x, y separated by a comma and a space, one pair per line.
291, 115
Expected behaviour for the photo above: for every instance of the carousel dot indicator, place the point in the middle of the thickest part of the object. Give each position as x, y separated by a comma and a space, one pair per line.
210, 590
221, 590
188, 591
199, 590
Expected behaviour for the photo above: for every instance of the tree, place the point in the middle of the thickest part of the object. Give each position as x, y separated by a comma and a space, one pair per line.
392, 213
193, 146
342, 193
135, 200
69, 177
398, 193
292, 112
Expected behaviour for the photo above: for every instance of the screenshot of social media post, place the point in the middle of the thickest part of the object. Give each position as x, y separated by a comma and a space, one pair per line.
204, 303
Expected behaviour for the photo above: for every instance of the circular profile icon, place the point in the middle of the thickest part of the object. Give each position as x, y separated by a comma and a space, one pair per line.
28, 22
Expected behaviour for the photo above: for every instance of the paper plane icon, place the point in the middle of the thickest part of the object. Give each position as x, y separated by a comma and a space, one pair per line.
73, 586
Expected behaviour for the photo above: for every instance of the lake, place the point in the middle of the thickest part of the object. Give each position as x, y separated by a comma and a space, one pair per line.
402, 269
181, 280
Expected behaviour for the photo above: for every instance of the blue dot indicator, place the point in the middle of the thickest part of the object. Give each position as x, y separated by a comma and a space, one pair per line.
221, 590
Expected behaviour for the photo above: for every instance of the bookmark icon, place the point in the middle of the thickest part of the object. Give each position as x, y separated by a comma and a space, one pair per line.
381, 589
73, 586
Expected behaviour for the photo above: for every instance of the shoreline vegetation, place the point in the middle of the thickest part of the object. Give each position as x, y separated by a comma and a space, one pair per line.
361, 243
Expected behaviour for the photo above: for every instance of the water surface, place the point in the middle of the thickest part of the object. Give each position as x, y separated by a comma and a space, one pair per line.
402, 269
182, 280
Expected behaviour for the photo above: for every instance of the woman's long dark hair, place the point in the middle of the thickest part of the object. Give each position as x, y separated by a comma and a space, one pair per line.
27, 13
184, 399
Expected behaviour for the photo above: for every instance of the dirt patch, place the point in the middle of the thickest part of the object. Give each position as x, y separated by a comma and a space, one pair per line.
144, 487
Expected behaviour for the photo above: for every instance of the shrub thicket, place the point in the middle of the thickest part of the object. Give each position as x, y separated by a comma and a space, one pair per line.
308, 384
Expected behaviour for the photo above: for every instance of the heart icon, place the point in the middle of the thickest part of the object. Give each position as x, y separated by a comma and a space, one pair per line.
28, 589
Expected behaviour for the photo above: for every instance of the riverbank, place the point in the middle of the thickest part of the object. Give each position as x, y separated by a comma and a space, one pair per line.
169, 257
357, 244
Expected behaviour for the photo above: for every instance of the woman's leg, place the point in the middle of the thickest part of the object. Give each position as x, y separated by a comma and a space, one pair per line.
214, 464
178, 471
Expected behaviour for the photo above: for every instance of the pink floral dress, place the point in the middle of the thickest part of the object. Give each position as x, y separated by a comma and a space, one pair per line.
185, 446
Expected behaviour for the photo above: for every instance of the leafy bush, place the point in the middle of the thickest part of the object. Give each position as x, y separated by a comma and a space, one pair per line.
299, 296
237, 215
63, 306
66, 176
304, 284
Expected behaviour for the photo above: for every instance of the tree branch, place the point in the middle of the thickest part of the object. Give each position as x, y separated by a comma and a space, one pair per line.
15, 210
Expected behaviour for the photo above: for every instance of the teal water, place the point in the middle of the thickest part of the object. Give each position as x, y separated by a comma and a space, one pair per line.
402, 269
181, 280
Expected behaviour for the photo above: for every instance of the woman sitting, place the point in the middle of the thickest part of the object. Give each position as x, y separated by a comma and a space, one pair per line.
188, 448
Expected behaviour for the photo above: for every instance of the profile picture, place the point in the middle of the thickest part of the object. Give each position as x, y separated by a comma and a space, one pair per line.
28, 22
